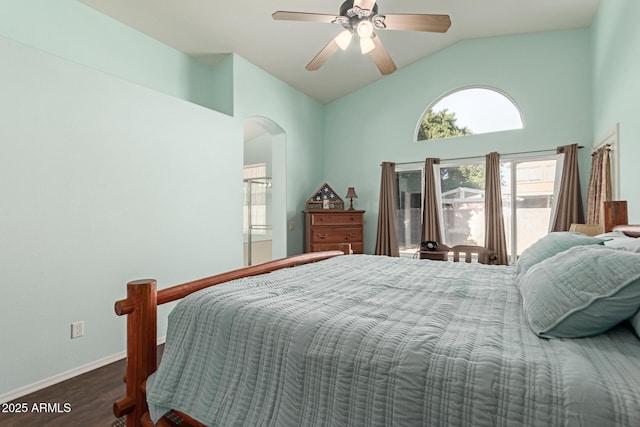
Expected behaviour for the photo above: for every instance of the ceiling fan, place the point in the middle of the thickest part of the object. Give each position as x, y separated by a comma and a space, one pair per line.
361, 17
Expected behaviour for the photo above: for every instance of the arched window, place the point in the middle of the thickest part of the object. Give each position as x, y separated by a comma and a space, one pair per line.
469, 111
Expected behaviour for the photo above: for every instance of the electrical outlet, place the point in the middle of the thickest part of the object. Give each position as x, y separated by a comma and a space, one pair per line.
292, 225
77, 329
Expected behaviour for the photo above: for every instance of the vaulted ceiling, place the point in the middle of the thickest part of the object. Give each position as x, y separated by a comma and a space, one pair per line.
210, 29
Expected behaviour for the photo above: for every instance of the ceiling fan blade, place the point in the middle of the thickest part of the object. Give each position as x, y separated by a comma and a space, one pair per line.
302, 16
323, 55
381, 57
364, 4
410, 22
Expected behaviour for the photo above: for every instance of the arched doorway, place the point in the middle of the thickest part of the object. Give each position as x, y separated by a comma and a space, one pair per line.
265, 178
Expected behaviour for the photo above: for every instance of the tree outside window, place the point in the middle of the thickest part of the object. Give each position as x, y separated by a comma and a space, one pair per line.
469, 111
528, 184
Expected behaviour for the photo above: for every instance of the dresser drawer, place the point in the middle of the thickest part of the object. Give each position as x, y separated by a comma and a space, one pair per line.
356, 247
335, 219
336, 235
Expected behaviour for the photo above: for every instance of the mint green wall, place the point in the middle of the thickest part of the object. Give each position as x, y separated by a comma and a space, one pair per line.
71, 30
546, 74
102, 182
222, 94
110, 173
258, 94
616, 88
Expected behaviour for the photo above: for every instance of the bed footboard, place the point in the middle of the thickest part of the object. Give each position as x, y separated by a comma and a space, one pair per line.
141, 306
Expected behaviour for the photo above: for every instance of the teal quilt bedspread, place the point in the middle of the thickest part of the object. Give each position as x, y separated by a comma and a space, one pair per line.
363, 340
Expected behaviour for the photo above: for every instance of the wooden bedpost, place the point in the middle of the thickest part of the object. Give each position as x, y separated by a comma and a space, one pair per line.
345, 248
141, 307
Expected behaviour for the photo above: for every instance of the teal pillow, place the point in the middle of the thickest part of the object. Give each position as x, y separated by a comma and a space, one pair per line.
583, 291
551, 244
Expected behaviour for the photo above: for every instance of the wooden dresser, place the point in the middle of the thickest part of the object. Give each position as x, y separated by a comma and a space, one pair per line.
325, 229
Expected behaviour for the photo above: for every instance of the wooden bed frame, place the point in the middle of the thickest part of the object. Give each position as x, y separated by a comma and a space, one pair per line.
141, 305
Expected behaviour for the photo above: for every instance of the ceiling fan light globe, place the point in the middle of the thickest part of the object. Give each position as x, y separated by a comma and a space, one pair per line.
365, 29
366, 45
344, 39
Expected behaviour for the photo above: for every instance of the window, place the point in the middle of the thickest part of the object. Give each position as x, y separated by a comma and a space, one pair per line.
527, 209
409, 185
257, 202
527, 200
528, 174
469, 111
462, 203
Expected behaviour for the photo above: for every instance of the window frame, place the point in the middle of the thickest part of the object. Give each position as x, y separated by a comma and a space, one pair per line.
472, 161
411, 167
559, 159
460, 89
436, 172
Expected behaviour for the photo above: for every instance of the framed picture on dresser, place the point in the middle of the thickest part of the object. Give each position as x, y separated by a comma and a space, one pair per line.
325, 198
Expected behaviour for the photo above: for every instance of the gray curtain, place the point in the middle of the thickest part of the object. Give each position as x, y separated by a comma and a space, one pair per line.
430, 219
386, 240
569, 207
494, 237
600, 187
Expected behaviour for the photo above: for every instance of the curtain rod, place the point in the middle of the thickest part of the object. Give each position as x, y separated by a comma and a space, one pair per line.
608, 147
477, 157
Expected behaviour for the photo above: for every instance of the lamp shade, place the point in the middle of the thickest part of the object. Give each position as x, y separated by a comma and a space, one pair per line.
365, 29
351, 193
343, 39
366, 45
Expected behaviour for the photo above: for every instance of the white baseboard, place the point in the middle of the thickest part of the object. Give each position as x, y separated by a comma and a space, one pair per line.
63, 376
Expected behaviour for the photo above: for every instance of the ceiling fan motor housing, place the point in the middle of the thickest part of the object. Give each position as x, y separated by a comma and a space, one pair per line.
358, 20
350, 16
347, 5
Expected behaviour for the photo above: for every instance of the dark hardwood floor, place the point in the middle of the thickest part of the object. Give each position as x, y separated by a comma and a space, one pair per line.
89, 398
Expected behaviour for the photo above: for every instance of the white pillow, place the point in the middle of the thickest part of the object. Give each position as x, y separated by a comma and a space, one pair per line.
619, 240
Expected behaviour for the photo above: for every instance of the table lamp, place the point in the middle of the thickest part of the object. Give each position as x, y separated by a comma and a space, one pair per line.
351, 194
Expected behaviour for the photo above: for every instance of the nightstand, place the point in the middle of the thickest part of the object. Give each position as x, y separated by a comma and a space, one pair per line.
435, 255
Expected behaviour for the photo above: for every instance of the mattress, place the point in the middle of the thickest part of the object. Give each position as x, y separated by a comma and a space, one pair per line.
364, 340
